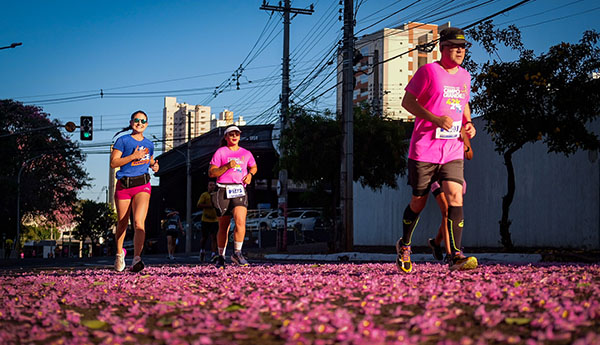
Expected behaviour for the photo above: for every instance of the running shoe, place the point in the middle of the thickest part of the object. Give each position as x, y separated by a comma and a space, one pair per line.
239, 259
137, 264
213, 258
459, 262
202, 256
220, 262
120, 261
437, 251
403, 260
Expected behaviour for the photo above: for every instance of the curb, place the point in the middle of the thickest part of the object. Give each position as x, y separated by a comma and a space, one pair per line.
374, 257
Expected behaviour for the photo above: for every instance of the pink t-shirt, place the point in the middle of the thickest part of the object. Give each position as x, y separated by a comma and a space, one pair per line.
242, 157
441, 93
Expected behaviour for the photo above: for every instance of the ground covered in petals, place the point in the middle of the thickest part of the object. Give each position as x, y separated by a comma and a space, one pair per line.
303, 304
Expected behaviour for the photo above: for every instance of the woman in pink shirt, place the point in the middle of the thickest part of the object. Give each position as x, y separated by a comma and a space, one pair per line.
234, 167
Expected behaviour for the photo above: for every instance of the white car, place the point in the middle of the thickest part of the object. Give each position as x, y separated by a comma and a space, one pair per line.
260, 219
304, 219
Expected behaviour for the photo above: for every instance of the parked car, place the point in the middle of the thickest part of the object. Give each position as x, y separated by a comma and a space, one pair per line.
305, 220
260, 219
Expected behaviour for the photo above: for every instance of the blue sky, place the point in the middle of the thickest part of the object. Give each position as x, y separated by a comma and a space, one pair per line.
158, 48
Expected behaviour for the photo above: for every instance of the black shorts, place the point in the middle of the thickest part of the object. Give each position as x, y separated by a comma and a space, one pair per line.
224, 206
172, 233
422, 174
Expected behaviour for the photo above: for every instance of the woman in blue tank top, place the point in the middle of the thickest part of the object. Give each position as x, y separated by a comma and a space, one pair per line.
133, 155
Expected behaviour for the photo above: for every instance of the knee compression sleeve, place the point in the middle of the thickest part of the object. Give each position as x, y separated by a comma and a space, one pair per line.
455, 227
409, 222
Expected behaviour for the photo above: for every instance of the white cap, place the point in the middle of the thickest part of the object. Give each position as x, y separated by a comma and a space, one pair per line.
232, 128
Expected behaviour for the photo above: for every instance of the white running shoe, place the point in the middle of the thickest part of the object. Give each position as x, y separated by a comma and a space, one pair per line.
120, 261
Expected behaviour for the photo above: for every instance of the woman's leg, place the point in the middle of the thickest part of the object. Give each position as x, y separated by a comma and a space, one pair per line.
443, 230
123, 209
170, 245
239, 217
140, 204
223, 233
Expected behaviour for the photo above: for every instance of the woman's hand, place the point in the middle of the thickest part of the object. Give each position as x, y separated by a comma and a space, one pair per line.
139, 154
247, 179
154, 166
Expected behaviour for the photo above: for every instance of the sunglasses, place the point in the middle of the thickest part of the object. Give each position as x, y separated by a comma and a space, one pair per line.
136, 120
456, 46
234, 134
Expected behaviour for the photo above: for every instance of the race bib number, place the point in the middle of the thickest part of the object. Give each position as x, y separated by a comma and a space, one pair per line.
172, 227
235, 191
452, 133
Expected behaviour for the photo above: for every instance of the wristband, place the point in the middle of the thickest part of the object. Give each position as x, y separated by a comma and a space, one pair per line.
471, 122
251, 174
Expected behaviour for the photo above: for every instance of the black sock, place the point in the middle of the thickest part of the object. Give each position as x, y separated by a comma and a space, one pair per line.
455, 227
409, 222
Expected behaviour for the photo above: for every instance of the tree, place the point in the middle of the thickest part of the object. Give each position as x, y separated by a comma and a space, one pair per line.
95, 220
52, 166
311, 148
311, 152
36, 232
550, 98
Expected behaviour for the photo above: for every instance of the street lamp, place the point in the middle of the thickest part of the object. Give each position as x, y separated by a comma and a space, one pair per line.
19, 199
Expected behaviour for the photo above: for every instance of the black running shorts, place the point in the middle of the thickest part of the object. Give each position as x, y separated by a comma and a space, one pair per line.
422, 174
224, 206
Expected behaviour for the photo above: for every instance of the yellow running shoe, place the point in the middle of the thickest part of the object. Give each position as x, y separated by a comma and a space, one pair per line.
403, 260
459, 262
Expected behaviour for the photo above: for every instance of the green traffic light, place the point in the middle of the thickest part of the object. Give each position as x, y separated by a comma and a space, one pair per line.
87, 135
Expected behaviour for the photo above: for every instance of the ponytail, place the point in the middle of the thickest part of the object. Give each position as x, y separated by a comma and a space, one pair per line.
123, 130
132, 117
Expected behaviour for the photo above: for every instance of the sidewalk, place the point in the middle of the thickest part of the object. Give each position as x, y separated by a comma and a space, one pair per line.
370, 257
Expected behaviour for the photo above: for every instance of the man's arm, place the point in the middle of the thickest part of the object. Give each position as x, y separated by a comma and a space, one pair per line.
468, 124
410, 103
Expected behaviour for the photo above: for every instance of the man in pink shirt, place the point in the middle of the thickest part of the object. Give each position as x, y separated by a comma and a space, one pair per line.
438, 96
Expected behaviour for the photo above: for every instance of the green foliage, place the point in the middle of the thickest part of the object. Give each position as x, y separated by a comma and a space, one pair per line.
380, 149
49, 182
95, 220
311, 148
551, 98
38, 233
557, 94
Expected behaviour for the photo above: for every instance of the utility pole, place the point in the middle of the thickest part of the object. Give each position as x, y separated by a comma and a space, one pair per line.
285, 71
285, 95
188, 204
348, 128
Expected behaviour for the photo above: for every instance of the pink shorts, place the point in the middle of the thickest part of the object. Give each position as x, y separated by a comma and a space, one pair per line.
128, 193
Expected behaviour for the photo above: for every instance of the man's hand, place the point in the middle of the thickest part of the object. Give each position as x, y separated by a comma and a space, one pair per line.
154, 166
444, 122
470, 130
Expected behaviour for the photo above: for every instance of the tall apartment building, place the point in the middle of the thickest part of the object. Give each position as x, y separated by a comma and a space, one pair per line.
382, 85
175, 122
225, 119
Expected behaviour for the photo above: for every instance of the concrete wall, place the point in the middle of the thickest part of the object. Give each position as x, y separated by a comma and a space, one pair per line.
556, 204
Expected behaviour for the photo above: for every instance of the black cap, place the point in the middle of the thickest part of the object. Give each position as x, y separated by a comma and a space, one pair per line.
453, 35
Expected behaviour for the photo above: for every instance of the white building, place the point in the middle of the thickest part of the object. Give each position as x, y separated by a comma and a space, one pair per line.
225, 119
175, 122
382, 85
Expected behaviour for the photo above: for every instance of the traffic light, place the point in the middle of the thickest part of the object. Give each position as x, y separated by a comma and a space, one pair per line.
86, 127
